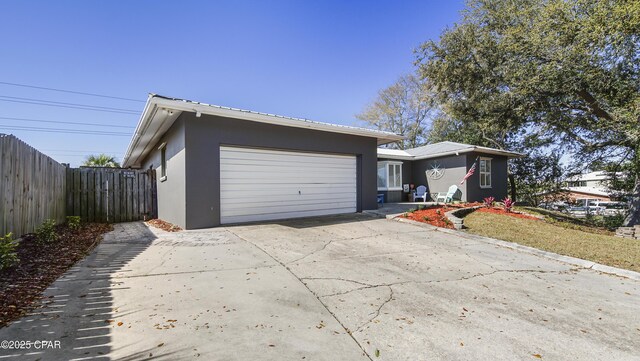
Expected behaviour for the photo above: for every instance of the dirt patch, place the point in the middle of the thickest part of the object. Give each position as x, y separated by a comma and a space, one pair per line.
163, 225
21, 286
505, 213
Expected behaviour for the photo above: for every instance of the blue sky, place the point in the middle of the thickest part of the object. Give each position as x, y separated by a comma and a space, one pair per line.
321, 60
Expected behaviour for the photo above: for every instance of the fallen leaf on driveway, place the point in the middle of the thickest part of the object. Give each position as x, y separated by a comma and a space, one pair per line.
120, 323
161, 344
537, 355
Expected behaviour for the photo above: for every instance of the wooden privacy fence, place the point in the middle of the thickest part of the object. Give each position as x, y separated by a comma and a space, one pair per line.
111, 194
32, 187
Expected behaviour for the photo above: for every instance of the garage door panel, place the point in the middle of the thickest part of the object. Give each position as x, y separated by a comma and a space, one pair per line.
346, 168
266, 210
286, 195
258, 184
250, 187
283, 203
288, 178
277, 216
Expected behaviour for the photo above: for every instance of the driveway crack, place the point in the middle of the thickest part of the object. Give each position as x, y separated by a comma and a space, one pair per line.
348, 332
376, 313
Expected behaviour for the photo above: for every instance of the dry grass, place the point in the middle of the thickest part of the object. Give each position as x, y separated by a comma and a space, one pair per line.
601, 248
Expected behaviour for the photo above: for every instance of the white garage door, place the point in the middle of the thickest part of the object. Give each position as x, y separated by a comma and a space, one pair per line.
261, 184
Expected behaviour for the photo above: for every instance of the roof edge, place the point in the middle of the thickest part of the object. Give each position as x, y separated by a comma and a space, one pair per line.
155, 101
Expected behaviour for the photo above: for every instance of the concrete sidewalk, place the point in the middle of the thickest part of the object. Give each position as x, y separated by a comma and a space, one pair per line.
332, 288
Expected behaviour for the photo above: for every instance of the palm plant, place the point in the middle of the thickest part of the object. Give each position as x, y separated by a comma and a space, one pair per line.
101, 160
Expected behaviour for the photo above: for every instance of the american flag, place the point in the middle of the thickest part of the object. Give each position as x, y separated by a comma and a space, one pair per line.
470, 172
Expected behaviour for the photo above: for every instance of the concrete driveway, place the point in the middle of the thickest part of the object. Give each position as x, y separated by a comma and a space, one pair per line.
334, 288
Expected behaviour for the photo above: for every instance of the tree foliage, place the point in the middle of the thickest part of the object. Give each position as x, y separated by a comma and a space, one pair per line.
101, 160
558, 71
403, 108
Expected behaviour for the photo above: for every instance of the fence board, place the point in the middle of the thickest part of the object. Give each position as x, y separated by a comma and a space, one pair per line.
111, 194
32, 187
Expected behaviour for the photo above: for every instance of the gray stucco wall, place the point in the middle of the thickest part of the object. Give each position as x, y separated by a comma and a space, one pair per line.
455, 167
172, 191
499, 180
398, 196
204, 136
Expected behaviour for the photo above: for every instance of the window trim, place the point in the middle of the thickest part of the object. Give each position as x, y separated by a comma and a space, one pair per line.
387, 165
480, 172
163, 162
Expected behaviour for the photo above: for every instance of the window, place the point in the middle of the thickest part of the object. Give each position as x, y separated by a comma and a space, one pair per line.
163, 162
485, 172
390, 176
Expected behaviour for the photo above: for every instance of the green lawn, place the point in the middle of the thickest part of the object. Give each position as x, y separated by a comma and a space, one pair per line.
601, 248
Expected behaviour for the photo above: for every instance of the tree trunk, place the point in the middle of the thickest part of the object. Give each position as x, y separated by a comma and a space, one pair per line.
634, 209
512, 183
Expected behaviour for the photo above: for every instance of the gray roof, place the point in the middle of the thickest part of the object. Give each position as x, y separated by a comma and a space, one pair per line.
446, 148
160, 112
435, 148
374, 132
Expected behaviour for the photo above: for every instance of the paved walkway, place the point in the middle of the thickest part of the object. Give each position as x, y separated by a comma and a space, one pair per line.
334, 288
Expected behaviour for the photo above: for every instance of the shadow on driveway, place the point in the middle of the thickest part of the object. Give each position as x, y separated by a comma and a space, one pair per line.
84, 294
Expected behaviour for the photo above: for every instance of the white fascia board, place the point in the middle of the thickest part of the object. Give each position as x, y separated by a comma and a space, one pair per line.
152, 126
398, 157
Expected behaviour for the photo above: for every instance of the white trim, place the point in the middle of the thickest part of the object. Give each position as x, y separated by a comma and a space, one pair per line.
387, 163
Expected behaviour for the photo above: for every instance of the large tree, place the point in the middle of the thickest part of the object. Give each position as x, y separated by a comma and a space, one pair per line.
101, 160
562, 71
403, 108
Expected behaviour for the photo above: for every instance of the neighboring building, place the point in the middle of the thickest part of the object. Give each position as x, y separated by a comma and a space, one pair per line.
584, 188
440, 165
218, 165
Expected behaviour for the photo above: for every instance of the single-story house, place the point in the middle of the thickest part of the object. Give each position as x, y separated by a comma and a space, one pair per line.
438, 166
217, 165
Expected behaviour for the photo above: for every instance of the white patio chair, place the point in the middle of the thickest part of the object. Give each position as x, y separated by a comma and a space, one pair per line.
448, 196
421, 193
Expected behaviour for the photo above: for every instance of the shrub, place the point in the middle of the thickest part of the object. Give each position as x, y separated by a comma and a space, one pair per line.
47, 231
508, 204
73, 222
613, 222
421, 207
438, 212
426, 218
8, 255
489, 202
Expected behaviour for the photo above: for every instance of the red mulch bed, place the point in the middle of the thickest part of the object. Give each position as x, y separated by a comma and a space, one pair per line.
40, 264
163, 225
435, 215
505, 213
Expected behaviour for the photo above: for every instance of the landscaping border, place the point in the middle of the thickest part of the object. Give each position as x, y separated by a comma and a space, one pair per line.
456, 216
530, 250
